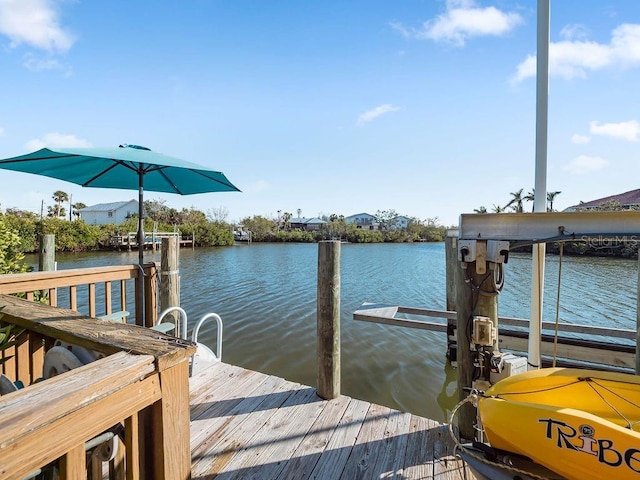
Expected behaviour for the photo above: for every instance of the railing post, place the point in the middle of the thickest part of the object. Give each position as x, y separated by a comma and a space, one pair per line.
170, 448
328, 350
170, 275
150, 294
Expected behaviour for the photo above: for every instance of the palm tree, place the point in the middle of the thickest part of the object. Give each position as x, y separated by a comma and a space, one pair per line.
516, 201
286, 220
482, 209
530, 197
59, 196
56, 211
551, 196
498, 208
76, 209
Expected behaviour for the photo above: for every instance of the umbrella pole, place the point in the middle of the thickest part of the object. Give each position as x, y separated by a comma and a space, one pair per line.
141, 298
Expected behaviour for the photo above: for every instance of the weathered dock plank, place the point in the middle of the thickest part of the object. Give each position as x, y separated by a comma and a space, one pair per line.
363, 457
308, 453
344, 436
391, 459
247, 425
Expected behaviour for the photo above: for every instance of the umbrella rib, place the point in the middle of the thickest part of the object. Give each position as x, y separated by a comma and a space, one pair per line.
31, 159
215, 179
111, 167
164, 175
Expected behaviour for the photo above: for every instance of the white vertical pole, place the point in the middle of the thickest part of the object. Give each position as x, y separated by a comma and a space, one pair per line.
540, 199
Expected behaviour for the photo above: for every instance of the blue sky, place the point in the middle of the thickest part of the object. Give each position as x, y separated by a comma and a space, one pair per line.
425, 107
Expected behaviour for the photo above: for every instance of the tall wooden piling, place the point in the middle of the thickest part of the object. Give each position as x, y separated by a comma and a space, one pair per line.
47, 253
451, 265
328, 350
469, 302
451, 260
170, 275
47, 263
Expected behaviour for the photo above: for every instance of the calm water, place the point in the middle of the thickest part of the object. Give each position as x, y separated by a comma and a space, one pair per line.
266, 295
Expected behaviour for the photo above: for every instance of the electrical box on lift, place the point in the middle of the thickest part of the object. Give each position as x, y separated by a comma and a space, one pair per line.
506, 365
484, 332
467, 250
497, 251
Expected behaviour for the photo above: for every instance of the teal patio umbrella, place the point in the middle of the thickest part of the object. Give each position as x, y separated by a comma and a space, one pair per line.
128, 167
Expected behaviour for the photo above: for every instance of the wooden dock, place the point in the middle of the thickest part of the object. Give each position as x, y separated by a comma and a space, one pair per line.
246, 424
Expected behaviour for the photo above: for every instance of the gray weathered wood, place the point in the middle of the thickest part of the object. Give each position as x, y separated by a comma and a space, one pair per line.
418, 463
331, 464
328, 349
307, 454
251, 425
47, 253
464, 301
364, 454
451, 263
170, 276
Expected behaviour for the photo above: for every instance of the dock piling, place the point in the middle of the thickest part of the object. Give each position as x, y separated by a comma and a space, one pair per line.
328, 350
47, 253
170, 275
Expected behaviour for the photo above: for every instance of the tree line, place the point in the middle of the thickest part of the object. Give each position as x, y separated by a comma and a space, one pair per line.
279, 229
622, 247
209, 229
516, 203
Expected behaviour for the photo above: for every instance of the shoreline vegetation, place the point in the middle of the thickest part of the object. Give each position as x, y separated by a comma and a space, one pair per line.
20, 229
209, 229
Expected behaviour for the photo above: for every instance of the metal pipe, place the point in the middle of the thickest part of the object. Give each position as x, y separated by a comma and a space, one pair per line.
540, 197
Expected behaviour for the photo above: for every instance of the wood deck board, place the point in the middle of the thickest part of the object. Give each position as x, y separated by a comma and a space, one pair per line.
247, 424
363, 456
213, 458
332, 462
307, 454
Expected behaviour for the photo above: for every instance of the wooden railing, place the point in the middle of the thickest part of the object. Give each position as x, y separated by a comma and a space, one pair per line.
37, 284
139, 390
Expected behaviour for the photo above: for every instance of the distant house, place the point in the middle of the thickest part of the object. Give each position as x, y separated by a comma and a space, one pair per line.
626, 200
104, 213
362, 220
400, 223
308, 224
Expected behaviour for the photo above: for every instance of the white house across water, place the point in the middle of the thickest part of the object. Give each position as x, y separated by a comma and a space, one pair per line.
104, 213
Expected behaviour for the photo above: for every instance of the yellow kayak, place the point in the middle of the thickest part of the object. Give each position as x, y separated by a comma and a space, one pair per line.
581, 424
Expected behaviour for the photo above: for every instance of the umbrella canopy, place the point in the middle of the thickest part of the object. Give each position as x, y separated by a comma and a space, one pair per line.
127, 167
121, 167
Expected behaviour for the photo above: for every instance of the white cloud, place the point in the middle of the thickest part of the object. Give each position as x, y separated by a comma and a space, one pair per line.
584, 164
375, 113
35, 23
574, 58
580, 139
462, 20
59, 140
1, 131
39, 64
625, 130
402, 30
573, 32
